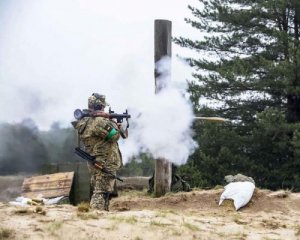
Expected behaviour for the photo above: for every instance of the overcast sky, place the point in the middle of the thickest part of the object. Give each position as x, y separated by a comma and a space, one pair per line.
55, 53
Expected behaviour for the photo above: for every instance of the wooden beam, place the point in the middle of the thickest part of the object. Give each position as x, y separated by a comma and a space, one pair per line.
162, 48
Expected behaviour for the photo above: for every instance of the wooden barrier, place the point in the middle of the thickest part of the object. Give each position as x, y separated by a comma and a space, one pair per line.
48, 186
80, 191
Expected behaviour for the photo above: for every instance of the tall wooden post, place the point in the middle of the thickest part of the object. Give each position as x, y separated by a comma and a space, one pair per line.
162, 48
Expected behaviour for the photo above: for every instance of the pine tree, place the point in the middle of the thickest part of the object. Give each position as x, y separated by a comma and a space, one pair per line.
248, 68
254, 53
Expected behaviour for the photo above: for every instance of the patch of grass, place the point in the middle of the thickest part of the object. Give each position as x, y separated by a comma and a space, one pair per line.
40, 210
130, 220
112, 227
133, 193
228, 204
159, 224
221, 234
237, 220
281, 193
176, 233
297, 230
217, 187
83, 207
170, 194
197, 189
268, 223
44, 220
54, 226
6, 233
87, 216
160, 214
138, 238
191, 226
171, 211
22, 210
240, 236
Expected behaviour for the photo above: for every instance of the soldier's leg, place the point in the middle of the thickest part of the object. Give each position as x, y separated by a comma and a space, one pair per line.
108, 184
97, 198
92, 172
103, 188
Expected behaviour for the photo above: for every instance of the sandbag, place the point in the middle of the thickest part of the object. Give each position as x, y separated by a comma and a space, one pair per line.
240, 192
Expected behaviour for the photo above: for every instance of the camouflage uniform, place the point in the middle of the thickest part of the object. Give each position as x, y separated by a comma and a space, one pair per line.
99, 136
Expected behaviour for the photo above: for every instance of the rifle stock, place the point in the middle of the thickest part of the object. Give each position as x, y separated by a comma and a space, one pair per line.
96, 164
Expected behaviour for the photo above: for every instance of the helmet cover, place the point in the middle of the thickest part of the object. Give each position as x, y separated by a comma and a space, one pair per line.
97, 102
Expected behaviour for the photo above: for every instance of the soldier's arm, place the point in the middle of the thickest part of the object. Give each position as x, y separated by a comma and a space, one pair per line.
123, 133
106, 129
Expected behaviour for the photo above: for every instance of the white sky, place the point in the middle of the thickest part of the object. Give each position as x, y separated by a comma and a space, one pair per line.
55, 53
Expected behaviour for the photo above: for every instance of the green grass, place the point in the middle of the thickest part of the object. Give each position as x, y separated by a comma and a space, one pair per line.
83, 207
87, 216
176, 233
134, 193
54, 226
297, 232
130, 220
191, 226
138, 238
159, 224
170, 211
160, 214
22, 211
6, 233
112, 227
237, 219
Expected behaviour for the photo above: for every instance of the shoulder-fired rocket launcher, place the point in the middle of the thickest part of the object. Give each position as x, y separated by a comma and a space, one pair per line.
79, 114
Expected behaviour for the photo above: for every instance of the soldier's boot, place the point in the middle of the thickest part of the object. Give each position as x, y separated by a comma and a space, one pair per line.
98, 201
107, 198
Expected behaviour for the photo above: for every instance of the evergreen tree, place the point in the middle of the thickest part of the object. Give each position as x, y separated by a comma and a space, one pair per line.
248, 69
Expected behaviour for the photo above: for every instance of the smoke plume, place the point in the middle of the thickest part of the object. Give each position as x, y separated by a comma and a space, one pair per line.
162, 122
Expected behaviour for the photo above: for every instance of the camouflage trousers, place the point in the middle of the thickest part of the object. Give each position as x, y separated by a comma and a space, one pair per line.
102, 186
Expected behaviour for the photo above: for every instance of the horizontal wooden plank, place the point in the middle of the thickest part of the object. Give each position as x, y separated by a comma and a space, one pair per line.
47, 194
49, 177
48, 186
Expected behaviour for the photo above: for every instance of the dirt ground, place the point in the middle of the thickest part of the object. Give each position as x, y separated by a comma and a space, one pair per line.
136, 215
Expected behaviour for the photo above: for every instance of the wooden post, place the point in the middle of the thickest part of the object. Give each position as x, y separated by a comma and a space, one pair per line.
162, 48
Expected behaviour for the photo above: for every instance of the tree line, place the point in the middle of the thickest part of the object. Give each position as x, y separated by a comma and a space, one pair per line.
24, 149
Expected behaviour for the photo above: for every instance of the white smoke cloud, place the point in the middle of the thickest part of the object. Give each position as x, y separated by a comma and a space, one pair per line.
162, 122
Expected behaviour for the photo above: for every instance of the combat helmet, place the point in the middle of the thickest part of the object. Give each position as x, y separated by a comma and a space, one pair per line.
97, 102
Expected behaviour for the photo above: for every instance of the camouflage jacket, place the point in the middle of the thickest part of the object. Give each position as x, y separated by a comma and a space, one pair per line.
99, 136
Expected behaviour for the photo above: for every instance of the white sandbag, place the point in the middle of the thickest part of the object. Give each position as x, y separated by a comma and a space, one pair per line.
23, 201
52, 200
239, 192
14, 203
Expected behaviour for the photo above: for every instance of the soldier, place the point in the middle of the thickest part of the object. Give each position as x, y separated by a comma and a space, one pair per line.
99, 136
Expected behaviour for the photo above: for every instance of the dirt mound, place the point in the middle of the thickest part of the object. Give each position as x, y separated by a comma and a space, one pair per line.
136, 216
202, 200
